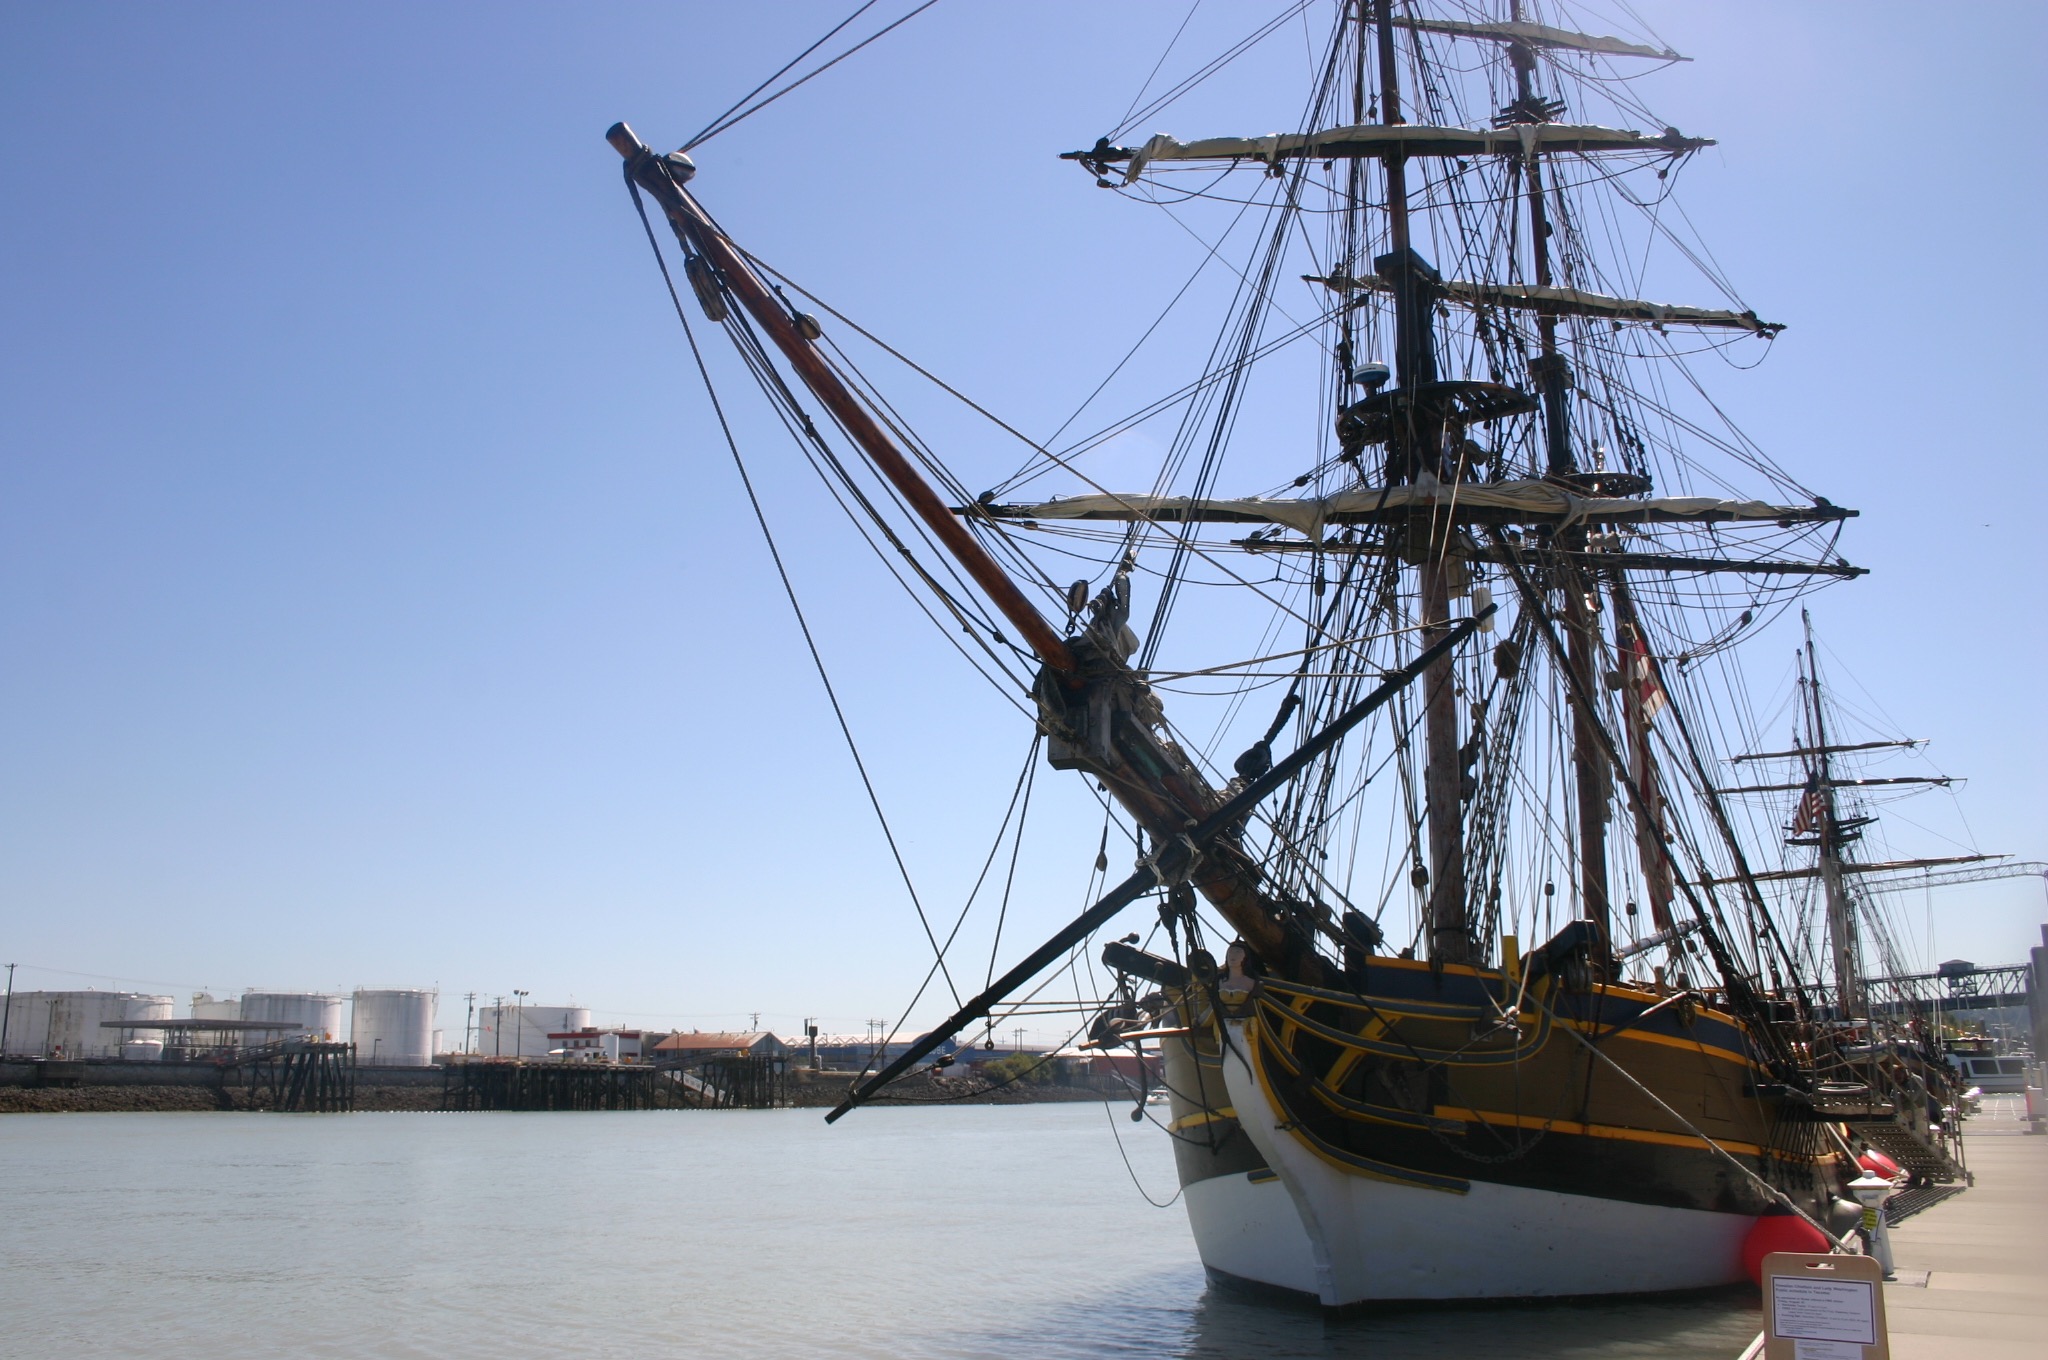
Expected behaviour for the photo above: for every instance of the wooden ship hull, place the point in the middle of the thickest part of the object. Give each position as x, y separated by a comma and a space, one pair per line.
1427, 1138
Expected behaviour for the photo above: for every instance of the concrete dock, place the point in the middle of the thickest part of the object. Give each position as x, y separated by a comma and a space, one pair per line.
1973, 1270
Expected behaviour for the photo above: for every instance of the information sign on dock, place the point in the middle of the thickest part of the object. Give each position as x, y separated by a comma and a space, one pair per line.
1823, 1308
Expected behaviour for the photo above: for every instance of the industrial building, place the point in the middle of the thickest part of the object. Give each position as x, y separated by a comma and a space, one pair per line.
384, 1027
688, 1046
525, 1030
592, 1045
858, 1052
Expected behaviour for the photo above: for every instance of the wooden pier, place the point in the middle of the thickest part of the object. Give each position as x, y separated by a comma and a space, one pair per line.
747, 1082
499, 1085
1972, 1278
303, 1076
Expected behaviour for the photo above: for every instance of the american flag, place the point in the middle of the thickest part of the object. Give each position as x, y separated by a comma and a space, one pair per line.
1812, 808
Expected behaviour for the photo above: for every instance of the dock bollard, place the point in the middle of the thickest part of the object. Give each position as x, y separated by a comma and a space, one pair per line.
1872, 1192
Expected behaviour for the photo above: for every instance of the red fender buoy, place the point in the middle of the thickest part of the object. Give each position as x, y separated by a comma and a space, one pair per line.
1779, 1232
1877, 1164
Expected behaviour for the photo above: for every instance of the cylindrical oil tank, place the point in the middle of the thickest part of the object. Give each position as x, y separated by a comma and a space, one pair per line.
73, 1024
205, 1007
143, 1045
26, 1024
317, 1014
522, 1031
393, 1028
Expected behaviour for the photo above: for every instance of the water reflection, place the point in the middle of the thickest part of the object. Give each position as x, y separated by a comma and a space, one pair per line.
1224, 1326
962, 1234
1179, 1315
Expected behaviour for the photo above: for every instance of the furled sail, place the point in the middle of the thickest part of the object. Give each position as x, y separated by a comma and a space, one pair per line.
1512, 502
1567, 302
1391, 139
1538, 35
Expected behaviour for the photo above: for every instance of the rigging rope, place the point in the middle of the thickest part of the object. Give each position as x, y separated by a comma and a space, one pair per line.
788, 587
729, 118
1016, 848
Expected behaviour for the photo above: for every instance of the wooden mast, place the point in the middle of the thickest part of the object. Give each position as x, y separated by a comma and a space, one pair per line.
1640, 681
1842, 941
1417, 442
1581, 604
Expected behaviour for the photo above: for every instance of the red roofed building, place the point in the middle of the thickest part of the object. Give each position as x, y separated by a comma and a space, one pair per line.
698, 1045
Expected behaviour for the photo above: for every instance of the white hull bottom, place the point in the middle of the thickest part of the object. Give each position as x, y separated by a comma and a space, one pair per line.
1248, 1230
1345, 1239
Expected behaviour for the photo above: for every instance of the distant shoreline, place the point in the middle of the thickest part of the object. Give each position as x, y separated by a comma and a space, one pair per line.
420, 1091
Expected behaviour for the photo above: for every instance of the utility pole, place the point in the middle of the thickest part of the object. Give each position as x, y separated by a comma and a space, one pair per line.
753, 1022
498, 1026
1019, 1033
519, 1035
468, 1021
8, 1013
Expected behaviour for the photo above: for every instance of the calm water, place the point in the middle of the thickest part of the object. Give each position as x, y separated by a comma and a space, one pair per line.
970, 1232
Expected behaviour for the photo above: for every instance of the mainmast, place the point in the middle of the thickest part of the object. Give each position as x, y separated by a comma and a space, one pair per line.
1581, 590
1550, 369
1416, 452
1820, 796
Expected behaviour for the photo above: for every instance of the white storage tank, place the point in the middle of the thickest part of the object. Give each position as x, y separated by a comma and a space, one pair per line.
393, 1028
522, 1031
143, 1045
73, 1024
205, 1007
30, 1033
317, 1014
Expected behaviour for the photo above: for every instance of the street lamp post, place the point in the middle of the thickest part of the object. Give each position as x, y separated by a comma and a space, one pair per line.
8, 1013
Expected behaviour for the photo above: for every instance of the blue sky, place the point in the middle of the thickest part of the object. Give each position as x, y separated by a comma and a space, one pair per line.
377, 607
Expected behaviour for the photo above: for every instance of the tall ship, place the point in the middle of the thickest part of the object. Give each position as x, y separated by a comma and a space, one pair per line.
1417, 705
